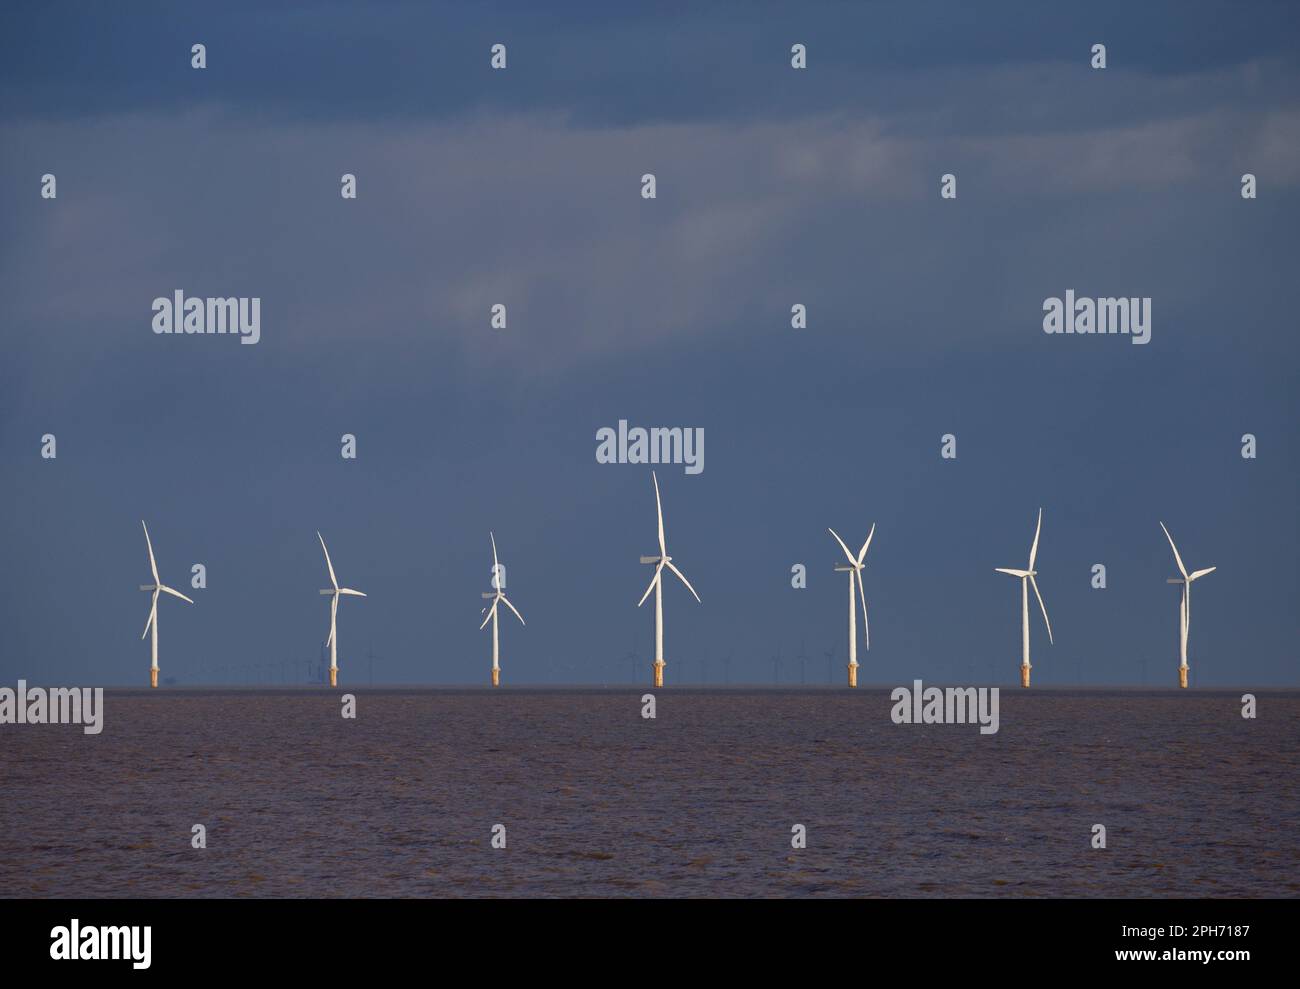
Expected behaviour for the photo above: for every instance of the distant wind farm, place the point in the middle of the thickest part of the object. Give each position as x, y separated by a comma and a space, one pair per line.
852, 567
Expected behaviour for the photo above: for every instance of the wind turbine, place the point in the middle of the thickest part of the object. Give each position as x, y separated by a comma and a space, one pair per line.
158, 587
656, 585
1185, 608
496, 597
854, 570
1026, 578
335, 592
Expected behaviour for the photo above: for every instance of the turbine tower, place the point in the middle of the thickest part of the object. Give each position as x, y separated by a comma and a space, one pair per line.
158, 587
656, 585
335, 592
1026, 579
496, 597
854, 570
1185, 608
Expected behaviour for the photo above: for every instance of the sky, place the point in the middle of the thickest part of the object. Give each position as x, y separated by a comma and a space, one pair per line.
775, 187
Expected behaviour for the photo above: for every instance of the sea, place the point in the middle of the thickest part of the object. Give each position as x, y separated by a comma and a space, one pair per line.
725, 792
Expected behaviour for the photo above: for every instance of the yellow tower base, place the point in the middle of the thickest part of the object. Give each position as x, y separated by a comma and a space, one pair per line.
853, 674
659, 673
496, 678
153, 677
1182, 676
1024, 676
334, 676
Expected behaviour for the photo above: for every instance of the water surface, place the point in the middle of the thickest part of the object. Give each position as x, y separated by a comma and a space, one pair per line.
598, 801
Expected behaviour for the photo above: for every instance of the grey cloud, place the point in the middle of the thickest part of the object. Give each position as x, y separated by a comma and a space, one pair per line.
545, 215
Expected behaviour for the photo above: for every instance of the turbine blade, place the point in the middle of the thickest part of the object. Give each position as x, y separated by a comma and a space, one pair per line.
333, 580
1178, 559
862, 596
1033, 549
659, 510
862, 554
334, 614
1013, 573
514, 609
1201, 573
174, 593
653, 581
1046, 620
491, 611
153, 565
355, 594
847, 555
683, 579
493, 537
153, 614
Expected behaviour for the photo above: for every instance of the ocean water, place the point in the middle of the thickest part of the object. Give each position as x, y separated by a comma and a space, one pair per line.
597, 801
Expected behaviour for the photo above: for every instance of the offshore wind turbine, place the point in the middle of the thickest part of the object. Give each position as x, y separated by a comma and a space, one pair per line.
656, 585
335, 592
158, 587
496, 597
1185, 608
854, 570
1026, 579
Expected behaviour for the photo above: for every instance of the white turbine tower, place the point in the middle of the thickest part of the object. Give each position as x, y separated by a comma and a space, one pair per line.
158, 587
496, 597
656, 585
854, 570
1026, 579
335, 592
1185, 608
